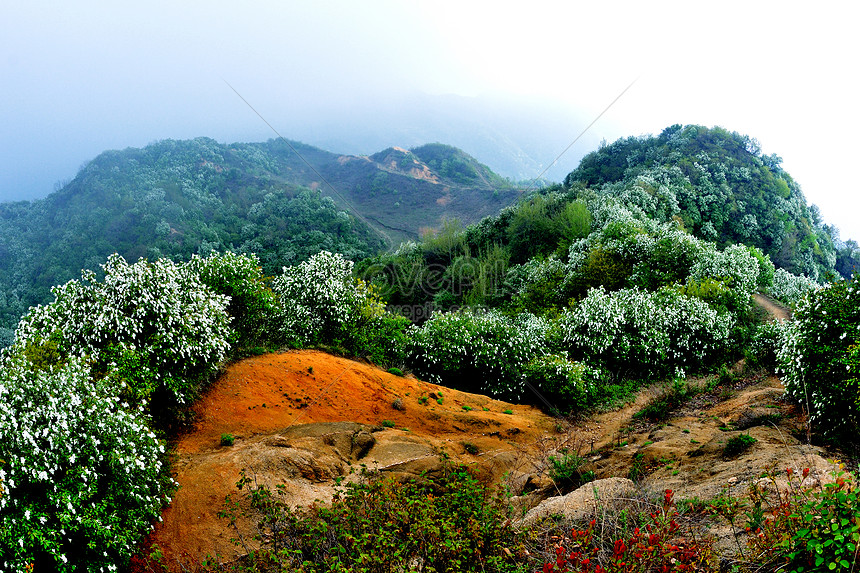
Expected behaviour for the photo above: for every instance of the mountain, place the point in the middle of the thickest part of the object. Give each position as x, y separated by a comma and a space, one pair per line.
282, 200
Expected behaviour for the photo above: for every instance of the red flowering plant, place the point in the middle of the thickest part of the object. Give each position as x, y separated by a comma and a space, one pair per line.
657, 548
811, 527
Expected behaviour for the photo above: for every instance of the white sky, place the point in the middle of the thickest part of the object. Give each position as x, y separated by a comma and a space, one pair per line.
80, 77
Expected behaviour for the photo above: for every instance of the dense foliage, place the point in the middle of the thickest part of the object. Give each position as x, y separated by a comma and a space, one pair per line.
820, 359
721, 187
478, 352
635, 333
81, 472
153, 329
450, 523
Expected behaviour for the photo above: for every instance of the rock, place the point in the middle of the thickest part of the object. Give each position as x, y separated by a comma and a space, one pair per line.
538, 482
582, 502
362, 442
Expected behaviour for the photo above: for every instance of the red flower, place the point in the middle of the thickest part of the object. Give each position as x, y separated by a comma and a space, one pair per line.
619, 549
668, 498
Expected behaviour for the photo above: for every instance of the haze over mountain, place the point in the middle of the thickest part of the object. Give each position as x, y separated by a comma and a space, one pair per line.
78, 79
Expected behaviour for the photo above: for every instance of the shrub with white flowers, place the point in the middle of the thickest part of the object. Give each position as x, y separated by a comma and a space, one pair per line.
566, 385
820, 361
766, 341
81, 477
321, 301
477, 351
155, 323
736, 266
252, 305
789, 288
639, 334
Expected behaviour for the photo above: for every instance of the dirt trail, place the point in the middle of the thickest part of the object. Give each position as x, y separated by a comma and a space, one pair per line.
775, 309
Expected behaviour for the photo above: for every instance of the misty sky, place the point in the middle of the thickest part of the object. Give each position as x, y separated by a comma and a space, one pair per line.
77, 78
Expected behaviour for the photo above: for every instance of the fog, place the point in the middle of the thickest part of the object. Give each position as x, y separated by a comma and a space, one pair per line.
512, 86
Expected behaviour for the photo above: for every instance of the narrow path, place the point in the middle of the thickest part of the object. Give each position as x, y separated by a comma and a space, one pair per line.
775, 310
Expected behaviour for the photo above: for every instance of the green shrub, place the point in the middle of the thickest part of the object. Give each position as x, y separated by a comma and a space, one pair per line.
227, 439
737, 445
477, 352
812, 528
381, 338
565, 384
387, 424
450, 523
566, 469
252, 305
820, 360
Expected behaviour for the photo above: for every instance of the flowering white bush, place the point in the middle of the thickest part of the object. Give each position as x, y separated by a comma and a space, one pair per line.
565, 384
766, 342
240, 277
80, 472
479, 352
789, 288
320, 300
820, 361
640, 333
735, 265
176, 328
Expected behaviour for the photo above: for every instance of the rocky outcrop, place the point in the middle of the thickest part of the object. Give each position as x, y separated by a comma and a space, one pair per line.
581, 503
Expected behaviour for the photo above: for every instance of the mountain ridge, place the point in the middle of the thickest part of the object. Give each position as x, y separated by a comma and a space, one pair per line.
174, 198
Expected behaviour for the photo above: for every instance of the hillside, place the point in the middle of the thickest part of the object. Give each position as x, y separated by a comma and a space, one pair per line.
175, 198
297, 417
721, 187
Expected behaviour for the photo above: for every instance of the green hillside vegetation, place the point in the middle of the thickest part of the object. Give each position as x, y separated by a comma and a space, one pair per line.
176, 198
721, 188
569, 299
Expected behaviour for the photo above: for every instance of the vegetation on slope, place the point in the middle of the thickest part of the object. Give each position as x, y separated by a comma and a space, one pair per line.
721, 188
